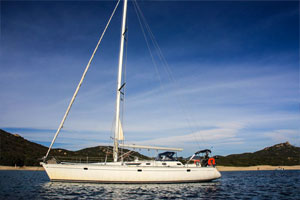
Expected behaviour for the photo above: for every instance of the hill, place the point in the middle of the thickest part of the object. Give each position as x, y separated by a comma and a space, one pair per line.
15, 150
277, 155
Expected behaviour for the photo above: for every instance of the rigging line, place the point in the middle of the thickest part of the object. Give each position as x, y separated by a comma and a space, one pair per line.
154, 42
80, 82
172, 79
167, 69
148, 45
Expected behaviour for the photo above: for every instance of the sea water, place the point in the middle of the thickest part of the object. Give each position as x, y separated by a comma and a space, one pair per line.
232, 185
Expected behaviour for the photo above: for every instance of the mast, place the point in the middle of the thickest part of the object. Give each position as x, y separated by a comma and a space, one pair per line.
119, 81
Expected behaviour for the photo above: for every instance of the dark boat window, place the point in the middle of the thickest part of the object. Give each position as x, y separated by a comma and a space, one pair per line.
85, 168
148, 163
178, 163
139, 170
133, 163
164, 163
188, 170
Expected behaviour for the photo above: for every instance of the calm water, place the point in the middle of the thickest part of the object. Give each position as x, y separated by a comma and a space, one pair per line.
232, 185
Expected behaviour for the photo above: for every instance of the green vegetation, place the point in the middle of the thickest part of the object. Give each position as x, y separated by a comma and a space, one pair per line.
277, 155
15, 150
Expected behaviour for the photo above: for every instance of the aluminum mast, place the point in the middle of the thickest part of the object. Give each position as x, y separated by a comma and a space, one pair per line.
116, 137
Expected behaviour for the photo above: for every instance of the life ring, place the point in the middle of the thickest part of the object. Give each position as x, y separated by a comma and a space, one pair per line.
196, 162
211, 161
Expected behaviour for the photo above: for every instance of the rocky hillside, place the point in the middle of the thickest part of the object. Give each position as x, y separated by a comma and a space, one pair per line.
279, 154
15, 150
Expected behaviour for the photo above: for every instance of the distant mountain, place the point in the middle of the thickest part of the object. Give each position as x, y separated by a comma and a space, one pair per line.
15, 150
279, 154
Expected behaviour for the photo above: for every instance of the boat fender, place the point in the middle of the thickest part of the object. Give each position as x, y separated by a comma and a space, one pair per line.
211, 162
197, 162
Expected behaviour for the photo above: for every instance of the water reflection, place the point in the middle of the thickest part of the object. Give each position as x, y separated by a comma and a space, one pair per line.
232, 185
130, 191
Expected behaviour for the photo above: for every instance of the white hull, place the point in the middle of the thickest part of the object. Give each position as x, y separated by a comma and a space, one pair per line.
118, 173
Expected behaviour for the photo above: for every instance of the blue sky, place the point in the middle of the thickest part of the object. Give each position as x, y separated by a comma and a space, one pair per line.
235, 66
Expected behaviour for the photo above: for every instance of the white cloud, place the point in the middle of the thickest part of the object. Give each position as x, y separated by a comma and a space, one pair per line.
222, 133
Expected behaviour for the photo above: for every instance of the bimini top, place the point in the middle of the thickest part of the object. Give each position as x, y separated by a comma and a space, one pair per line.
203, 151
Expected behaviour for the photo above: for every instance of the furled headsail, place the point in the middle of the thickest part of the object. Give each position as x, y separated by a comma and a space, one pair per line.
120, 135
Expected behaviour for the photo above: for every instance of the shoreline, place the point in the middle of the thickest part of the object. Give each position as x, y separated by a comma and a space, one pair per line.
26, 168
220, 168
258, 168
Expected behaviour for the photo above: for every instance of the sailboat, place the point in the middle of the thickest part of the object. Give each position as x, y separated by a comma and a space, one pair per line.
164, 169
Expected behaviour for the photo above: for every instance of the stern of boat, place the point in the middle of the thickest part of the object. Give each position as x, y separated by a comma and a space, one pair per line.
217, 173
